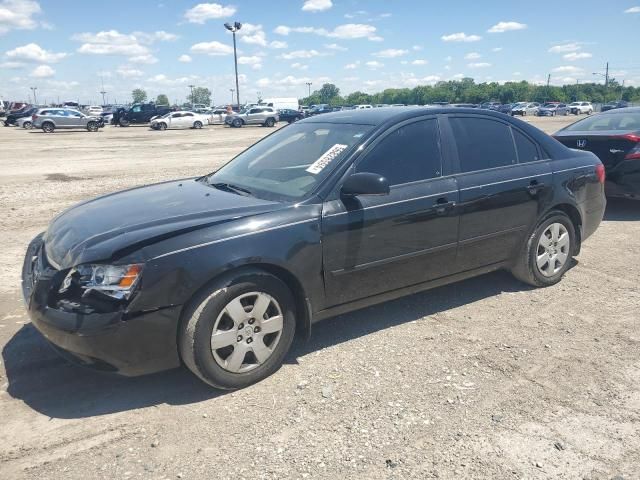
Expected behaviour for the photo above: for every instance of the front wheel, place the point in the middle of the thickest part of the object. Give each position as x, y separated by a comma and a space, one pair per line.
237, 123
235, 336
270, 122
162, 126
589, 112
197, 124
123, 122
92, 126
547, 254
48, 127
27, 125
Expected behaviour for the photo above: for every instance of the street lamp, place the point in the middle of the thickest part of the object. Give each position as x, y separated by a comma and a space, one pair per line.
233, 90
192, 100
35, 99
309, 85
233, 29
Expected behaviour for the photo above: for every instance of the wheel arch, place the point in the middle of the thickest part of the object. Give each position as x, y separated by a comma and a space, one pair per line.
576, 218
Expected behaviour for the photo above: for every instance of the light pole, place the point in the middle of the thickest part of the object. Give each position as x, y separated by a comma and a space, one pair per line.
103, 92
309, 85
192, 100
233, 29
606, 80
35, 99
233, 90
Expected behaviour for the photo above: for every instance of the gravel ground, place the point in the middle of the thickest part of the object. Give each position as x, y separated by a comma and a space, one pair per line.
486, 378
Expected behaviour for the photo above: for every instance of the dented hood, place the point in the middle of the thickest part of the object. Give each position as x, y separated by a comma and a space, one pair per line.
99, 229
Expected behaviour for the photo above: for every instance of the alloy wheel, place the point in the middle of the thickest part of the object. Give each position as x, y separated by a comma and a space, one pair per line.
553, 249
246, 332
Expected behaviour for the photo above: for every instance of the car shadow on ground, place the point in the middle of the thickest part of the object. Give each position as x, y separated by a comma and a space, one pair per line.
55, 388
622, 210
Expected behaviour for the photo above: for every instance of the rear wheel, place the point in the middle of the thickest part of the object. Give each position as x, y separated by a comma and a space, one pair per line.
48, 127
197, 124
27, 125
548, 251
270, 122
235, 336
237, 123
92, 126
123, 122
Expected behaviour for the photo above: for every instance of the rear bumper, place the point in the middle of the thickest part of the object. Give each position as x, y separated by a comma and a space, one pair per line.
592, 214
120, 341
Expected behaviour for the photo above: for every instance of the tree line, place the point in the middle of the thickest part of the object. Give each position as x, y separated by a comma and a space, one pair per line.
200, 95
467, 91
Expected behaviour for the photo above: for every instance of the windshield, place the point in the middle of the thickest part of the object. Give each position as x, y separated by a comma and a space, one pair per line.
623, 121
575, 104
292, 162
550, 105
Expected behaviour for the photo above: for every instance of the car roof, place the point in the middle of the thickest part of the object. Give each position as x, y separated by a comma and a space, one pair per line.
617, 111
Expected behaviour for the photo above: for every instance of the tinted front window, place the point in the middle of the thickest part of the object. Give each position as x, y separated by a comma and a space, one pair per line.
292, 162
407, 154
611, 121
482, 143
527, 150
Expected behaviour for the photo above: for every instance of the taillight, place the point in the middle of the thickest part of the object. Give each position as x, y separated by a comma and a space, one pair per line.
600, 173
634, 153
33, 117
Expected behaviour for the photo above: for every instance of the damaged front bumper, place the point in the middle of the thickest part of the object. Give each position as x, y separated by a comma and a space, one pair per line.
129, 343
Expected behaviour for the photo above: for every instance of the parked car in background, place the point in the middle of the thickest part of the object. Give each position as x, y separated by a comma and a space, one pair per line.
614, 105
288, 103
578, 108
289, 116
219, 272
94, 110
24, 122
179, 119
320, 109
525, 108
139, 113
265, 116
13, 116
614, 136
553, 109
50, 119
360, 107
216, 116
490, 105
464, 105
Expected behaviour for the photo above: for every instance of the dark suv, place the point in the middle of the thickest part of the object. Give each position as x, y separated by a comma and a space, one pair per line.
17, 114
327, 215
139, 113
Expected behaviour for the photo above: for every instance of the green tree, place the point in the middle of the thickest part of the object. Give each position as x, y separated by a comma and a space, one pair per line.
139, 95
200, 95
329, 93
162, 99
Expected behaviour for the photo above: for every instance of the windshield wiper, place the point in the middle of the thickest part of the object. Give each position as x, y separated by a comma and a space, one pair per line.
232, 188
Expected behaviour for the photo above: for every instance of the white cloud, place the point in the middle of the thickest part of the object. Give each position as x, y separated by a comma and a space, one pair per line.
479, 65
502, 27
127, 71
300, 54
448, 59
352, 66
278, 44
460, 37
208, 11
336, 47
290, 80
299, 66
263, 82
112, 42
254, 61
33, 52
416, 48
163, 80
43, 71
12, 65
184, 58
159, 36
633, 10
212, 48
496, 49
146, 59
565, 47
106, 49
567, 69
317, 5
390, 53
419, 62
347, 31
373, 64
472, 56
252, 34
458, 76
573, 56
18, 15
282, 30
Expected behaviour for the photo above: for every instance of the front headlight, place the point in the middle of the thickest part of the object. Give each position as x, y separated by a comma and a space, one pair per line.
117, 281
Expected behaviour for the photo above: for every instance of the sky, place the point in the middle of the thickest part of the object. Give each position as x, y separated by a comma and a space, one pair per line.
69, 48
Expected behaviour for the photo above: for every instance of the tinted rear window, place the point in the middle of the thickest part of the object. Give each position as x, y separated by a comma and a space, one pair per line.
482, 143
527, 149
611, 121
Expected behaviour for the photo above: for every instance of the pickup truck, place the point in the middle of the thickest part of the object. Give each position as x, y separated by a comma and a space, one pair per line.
139, 113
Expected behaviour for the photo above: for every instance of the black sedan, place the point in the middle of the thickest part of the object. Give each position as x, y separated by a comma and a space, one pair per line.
290, 116
614, 105
13, 117
614, 136
330, 214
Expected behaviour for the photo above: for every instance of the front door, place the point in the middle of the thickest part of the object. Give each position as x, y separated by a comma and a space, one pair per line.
373, 244
503, 179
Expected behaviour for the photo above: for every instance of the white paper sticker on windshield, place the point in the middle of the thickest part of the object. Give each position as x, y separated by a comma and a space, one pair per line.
326, 158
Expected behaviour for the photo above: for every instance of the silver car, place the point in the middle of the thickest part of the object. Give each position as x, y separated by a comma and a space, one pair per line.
50, 119
266, 116
526, 108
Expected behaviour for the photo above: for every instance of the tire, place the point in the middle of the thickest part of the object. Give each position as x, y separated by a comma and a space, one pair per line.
92, 126
123, 122
27, 125
552, 268
237, 123
48, 127
162, 126
208, 312
589, 112
197, 124
269, 122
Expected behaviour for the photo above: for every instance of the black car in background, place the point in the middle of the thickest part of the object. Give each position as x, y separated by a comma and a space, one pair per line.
319, 109
506, 108
614, 136
614, 105
289, 115
14, 116
330, 214
139, 113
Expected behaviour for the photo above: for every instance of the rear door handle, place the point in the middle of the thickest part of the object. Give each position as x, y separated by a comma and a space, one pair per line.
442, 205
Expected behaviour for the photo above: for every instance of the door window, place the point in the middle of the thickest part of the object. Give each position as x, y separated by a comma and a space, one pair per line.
482, 143
527, 150
136, 109
408, 154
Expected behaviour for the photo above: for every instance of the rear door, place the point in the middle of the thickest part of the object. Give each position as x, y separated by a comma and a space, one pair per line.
504, 178
187, 120
374, 244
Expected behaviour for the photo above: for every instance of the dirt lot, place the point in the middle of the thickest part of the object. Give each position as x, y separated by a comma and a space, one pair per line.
483, 379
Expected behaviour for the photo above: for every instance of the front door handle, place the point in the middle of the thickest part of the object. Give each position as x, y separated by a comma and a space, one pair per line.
534, 187
442, 205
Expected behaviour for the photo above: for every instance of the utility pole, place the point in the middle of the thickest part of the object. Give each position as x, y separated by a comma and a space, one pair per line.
35, 98
309, 85
103, 92
233, 29
548, 81
192, 99
233, 90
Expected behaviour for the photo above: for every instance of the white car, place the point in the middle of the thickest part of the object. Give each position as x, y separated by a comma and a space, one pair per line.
181, 119
93, 110
581, 107
24, 122
360, 107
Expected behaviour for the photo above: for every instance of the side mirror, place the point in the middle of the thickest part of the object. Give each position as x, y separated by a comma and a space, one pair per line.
365, 183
